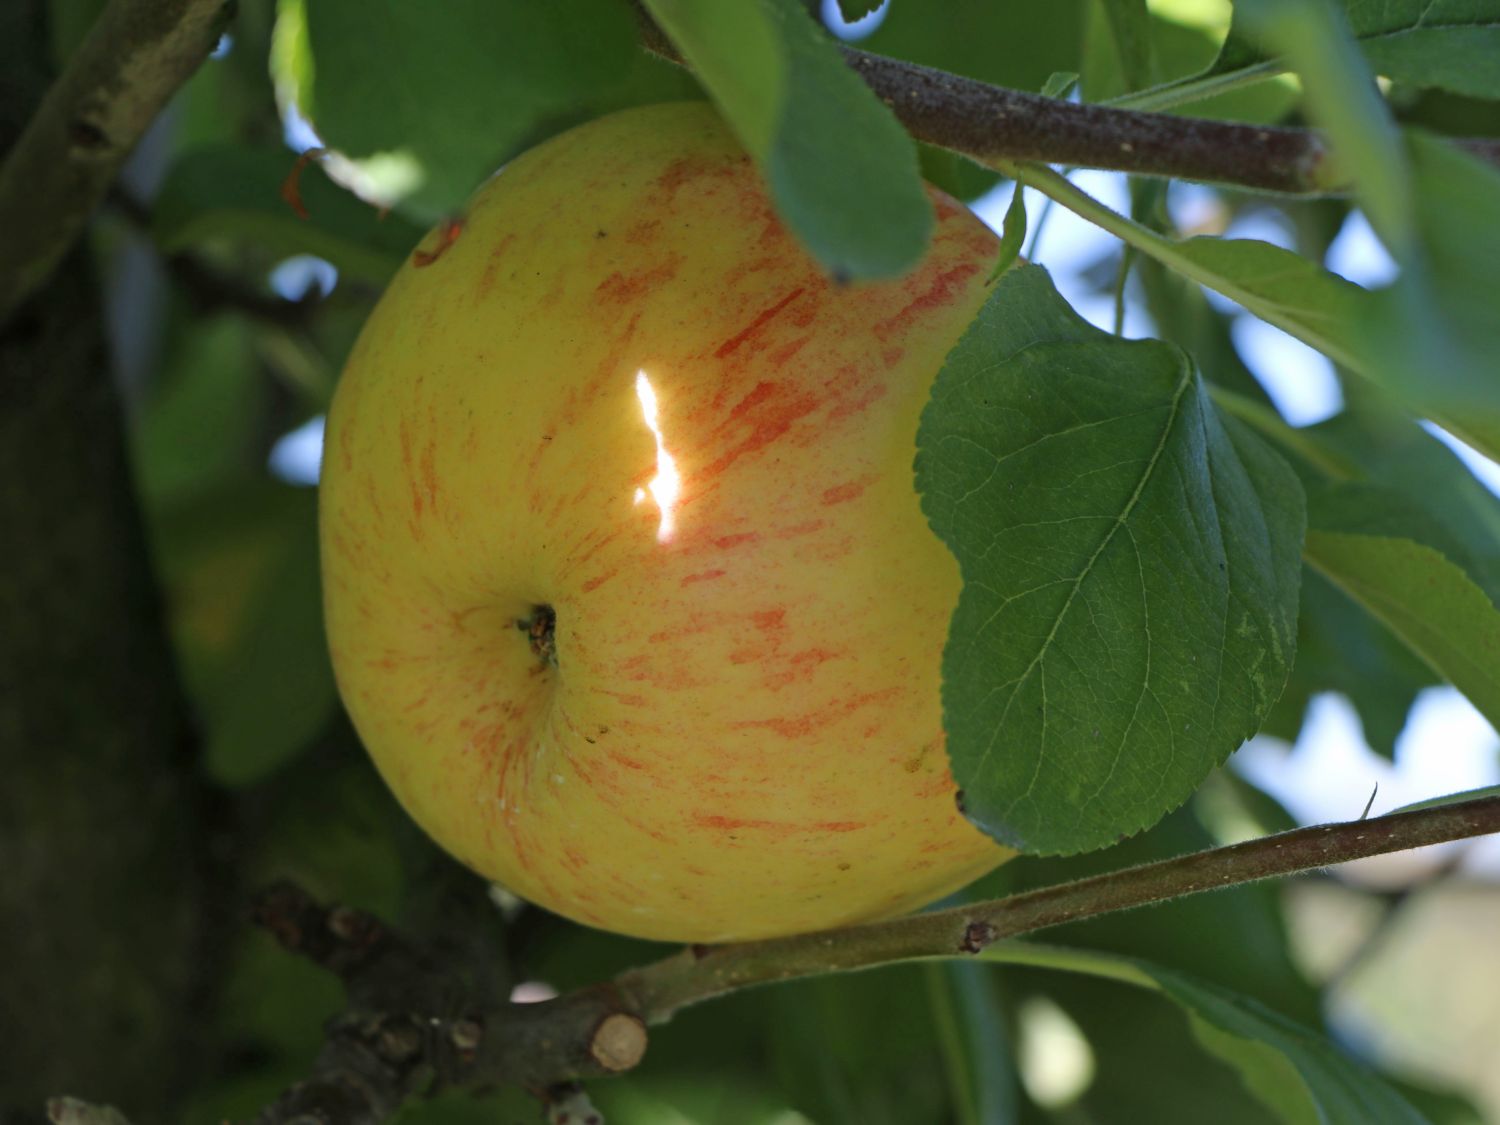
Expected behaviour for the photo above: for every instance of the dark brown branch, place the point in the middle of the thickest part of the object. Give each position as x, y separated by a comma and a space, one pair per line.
402, 1036
135, 57
990, 123
993, 125
209, 289
416, 1022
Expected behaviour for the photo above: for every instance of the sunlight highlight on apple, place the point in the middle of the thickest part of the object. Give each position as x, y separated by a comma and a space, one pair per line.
667, 484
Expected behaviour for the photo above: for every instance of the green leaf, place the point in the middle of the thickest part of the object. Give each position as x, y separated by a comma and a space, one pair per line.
1450, 44
1450, 799
1392, 450
959, 176
1463, 59
1130, 572
1185, 40
1298, 1075
813, 128
681, 1098
1342, 98
1146, 1065
1338, 318
1184, 316
1184, 933
1381, 557
970, 1027
1435, 333
275, 692
424, 108
1012, 233
1059, 83
1283, 288
1377, 471
1008, 44
233, 193
834, 1057
200, 425
1130, 29
242, 571
1342, 648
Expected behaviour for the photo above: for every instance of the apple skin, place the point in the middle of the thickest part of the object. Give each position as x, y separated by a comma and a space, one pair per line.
741, 735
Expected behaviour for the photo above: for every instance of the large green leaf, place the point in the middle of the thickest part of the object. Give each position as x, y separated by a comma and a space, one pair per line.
425, 104
1130, 572
841, 170
1301, 1077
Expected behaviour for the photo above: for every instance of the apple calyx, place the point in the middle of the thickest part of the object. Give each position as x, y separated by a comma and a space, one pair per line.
541, 630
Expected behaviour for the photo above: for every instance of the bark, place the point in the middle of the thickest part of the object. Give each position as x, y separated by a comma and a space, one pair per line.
102, 833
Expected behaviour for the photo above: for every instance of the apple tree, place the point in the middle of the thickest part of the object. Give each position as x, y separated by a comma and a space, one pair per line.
211, 908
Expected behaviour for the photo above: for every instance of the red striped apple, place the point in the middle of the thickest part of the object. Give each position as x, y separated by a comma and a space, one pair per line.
629, 592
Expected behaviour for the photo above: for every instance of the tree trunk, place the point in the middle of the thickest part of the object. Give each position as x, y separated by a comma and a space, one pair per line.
103, 827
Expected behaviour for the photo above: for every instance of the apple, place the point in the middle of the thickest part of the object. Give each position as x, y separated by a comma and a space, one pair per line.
628, 589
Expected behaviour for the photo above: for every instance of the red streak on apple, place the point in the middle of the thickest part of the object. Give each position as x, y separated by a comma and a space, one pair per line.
732, 344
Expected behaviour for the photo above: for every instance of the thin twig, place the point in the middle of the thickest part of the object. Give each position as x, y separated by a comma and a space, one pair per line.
660, 990
135, 57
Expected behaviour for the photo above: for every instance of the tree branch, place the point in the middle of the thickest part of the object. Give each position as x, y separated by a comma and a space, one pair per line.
403, 1036
415, 1025
134, 58
418, 1021
660, 990
992, 124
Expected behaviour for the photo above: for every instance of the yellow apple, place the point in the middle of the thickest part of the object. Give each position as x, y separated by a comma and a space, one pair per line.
629, 592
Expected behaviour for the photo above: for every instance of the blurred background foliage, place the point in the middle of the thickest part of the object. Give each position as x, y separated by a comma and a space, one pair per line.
229, 318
